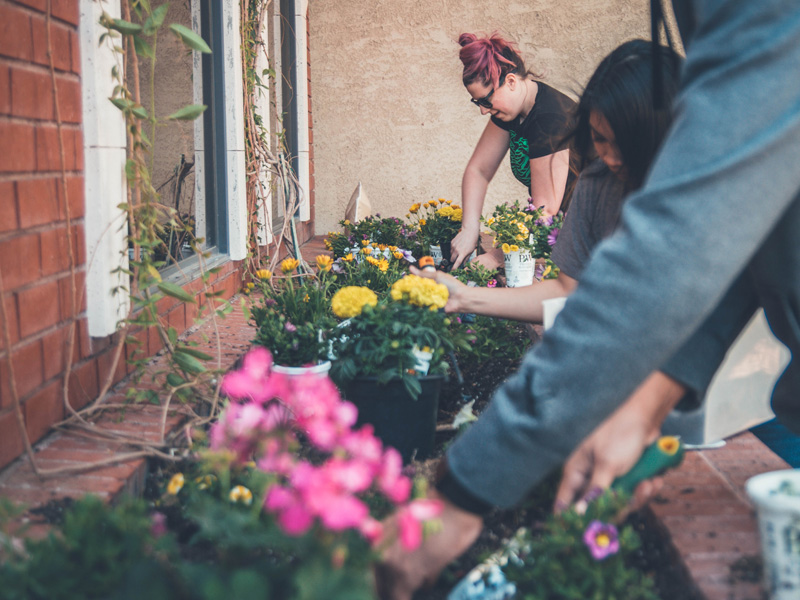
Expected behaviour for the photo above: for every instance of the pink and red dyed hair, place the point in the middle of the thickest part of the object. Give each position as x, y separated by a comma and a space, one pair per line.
488, 59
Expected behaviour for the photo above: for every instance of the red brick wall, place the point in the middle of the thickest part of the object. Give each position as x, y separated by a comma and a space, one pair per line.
34, 257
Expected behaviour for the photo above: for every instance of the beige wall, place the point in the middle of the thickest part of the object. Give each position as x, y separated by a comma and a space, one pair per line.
389, 108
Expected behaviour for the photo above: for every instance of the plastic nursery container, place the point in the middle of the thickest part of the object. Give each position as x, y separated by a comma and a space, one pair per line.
321, 369
399, 421
519, 266
776, 496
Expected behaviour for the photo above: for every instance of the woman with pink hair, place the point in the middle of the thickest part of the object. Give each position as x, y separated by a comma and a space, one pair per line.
527, 117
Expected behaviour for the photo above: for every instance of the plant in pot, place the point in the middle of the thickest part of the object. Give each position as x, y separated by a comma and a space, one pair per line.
372, 265
438, 222
293, 315
511, 224
390, 359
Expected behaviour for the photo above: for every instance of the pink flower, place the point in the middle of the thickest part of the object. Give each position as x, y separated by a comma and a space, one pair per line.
250, 379
372, 530
491, 283
295, 520
343, 512
391, 481
602, 539
290, 327
410, 518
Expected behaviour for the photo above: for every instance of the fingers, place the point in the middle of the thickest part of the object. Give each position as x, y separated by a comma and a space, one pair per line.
576, 475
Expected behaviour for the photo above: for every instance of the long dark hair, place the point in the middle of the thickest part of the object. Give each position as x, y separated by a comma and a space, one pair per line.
621, 89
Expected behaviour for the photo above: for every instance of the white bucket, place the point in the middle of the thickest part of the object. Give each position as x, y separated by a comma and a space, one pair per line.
436, 254
519, 267
779, 526
320, 370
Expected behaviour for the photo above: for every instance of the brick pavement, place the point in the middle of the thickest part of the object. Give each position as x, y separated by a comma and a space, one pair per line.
702, 506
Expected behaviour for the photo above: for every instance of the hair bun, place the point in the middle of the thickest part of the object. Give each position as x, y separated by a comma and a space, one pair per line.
466, 38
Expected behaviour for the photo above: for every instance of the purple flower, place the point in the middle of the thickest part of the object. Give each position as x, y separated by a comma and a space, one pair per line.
553, 236
158, 524
602, 539
290, 327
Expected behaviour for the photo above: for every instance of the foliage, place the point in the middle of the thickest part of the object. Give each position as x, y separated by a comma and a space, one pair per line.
100, 552
294, 312
477, 274
437, 221
371, 265
388, 231
488, 340
545, 232
579, 557
400, 337
511, 225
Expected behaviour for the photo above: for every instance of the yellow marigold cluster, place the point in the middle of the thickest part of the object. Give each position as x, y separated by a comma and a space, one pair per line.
289, 265
414, 208
351, 300
382, 263
324, 262
420, 291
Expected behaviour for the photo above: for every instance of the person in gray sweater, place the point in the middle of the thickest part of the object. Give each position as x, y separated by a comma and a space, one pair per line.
723, 197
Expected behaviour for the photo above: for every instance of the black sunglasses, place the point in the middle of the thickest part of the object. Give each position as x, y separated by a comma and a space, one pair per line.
486, 102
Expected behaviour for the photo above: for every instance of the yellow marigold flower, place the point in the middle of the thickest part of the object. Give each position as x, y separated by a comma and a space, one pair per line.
264, 274
240, 494
328, 245
372, 260
382, 247
392, 248
351, 300
519, 237
490, 221
324, 262
366, 250
426, 205
289, 265
397, 255
422, 221
175, 484
250, 285
455, 206
522, 229
306, 298
457, 214
383, 265
445, 211
451, 202
434, 203
348, 258
347, 221
414, 208
506, 248
420, 291
514, 248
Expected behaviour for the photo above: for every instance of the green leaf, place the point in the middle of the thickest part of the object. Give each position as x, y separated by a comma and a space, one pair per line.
155, 20
172, 334
121, 103
195, 352
175, 380
140, 111
176, 291
190, 38
125, 27
188, 113
188, 363
143, 49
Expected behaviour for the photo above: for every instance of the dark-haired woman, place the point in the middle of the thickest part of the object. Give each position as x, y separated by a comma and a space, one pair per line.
528, 118
617, 133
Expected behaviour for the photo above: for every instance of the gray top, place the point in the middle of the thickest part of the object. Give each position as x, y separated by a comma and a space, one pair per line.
593, 216
721, 205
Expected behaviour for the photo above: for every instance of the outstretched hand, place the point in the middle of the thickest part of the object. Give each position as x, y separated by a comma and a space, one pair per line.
454, 287
615, 446
462, 246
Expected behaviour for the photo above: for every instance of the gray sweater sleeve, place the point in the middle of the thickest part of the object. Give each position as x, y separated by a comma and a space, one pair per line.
636, 304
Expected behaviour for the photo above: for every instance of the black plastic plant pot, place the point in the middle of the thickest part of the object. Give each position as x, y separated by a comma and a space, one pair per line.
399, 421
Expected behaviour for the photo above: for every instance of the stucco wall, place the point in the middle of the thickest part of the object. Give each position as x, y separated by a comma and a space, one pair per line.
389, 108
